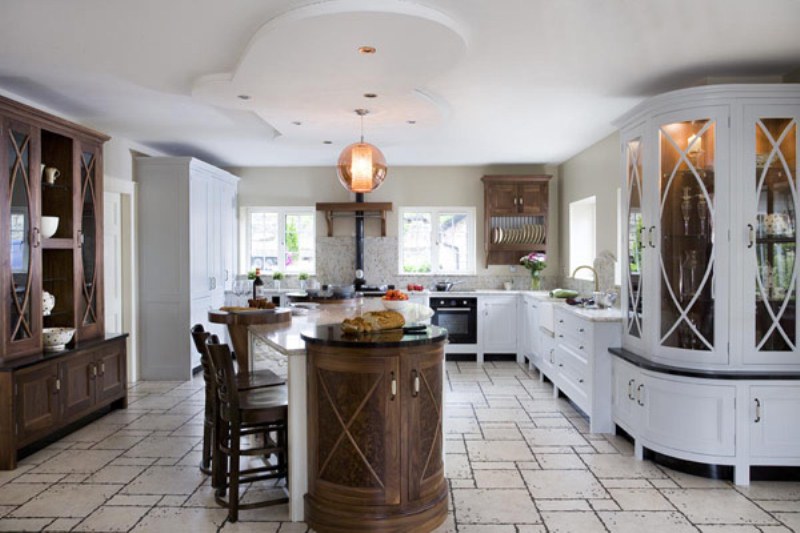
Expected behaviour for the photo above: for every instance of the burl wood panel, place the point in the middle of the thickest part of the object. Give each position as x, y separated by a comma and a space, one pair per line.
375, 439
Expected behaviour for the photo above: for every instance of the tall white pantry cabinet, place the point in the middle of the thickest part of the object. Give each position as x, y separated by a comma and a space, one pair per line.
187, 257
710, 370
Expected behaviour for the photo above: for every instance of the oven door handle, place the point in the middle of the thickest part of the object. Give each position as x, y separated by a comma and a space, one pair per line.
454, 309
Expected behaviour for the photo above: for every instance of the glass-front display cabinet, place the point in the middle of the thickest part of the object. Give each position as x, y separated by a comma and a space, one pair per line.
710, 203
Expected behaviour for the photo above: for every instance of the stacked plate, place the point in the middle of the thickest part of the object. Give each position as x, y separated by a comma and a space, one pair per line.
525, 234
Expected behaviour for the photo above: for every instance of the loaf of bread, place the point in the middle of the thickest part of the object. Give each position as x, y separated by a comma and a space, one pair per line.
373, 321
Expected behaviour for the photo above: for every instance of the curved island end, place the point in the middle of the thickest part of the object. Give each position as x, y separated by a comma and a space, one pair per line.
375, 435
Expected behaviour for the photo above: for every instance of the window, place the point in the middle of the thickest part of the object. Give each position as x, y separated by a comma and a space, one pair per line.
582, 237
279, 239
437, 240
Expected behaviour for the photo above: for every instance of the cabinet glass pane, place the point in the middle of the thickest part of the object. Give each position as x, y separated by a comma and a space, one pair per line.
88, 238
686, 188
635, 242
775, 234
20, 200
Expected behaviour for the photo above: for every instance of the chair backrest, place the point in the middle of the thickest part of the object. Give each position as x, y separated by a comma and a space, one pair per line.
200, 336
224, 376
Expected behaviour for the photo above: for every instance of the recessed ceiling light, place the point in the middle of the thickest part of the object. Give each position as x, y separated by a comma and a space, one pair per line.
243, 97
411, 121
366, 50
327, 142
297, 123
370, 95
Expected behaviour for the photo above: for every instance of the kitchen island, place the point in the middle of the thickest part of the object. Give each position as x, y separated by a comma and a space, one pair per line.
287, 340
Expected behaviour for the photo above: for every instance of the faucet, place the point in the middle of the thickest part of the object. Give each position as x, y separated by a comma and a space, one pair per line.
594, 272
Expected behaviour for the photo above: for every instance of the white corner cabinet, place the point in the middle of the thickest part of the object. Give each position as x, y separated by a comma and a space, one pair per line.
710, 285
187, 257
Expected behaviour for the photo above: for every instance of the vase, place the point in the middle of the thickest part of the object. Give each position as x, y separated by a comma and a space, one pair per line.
536, 282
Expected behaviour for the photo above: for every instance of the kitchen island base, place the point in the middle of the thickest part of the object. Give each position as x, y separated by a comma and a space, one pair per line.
375, 435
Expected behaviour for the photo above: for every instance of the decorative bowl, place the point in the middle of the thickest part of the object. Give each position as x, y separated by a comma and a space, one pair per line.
48, 303
395, 305
55, 339
49, 226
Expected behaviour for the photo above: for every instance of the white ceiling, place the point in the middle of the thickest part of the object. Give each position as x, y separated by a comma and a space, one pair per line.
487, 81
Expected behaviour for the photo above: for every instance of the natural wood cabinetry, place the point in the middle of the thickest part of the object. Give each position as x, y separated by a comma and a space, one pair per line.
515, 217
37, 391
375, 439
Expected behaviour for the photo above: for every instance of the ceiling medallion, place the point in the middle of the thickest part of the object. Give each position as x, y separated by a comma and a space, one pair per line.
361, 167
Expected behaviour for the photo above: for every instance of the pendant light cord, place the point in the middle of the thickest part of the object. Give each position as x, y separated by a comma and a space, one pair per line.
362, 128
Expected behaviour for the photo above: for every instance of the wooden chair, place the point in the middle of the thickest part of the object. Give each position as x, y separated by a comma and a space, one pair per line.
240, 414
253, 380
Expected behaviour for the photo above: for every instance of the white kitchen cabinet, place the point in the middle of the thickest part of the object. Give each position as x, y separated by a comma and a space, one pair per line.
530, 343
773, 414
187, 240
625, 402
497, 324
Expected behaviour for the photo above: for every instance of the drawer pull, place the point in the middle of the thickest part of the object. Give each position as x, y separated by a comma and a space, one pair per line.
560, 364
750, 235
580, 347
639, 394
758, 411
415, 390
580, 330
560, 320
394, 387
560, 336
580, 380
630, 389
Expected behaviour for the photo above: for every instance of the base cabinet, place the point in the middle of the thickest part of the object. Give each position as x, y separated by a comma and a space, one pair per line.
497, 324
45, 396
375, 460
733, 422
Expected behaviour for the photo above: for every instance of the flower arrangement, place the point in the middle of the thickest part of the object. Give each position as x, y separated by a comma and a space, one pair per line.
535, 262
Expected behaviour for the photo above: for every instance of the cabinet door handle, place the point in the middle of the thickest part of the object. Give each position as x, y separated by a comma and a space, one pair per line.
515, 200
758, 411
580, 347
650, 231
521, 201
93, 369
80, 238
639, 394
751, 233
102, 369
560, 320
415, 384
560, 336
580, 380
58, 386
580, 330
394, 387
630, 389
552, 361
560, 364
36, 237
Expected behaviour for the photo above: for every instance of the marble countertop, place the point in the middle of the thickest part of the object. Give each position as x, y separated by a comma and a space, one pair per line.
612, 314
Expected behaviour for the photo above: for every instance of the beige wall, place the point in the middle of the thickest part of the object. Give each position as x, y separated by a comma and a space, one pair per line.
404, 186
594, 172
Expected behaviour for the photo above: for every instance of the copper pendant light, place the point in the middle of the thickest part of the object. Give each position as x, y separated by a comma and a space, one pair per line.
361, 167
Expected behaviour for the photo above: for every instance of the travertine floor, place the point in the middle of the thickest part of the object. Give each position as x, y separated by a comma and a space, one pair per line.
517, 461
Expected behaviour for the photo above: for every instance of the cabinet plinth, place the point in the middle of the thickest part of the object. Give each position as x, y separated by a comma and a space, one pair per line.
375, 438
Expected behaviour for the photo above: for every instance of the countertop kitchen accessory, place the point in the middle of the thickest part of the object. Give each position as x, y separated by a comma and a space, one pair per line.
445, 286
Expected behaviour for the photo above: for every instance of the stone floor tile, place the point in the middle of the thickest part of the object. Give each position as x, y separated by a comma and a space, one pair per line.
92, 433
635, 483
118, 442
527, 528
77, 462
62, 524
729, 529
562, 505
171, 519
111, 519
718, 506
786, 506
563, 484
116, 474
560, 461
462, 483
762, 490
688, 481
294, 527
494, 506
493, 465
457, 467
494, 414
253, 527
502, 434
121, 500
178, 480
462, 425
163, 447
485, 528
617, 466
159, 422
38, 478
493, 479
791, 520
17, 525
19, 493
66, 501
499, 451
643, 521
641, 500
172, 500
604, 505
553, 437
552, 422
663, 483
572, 522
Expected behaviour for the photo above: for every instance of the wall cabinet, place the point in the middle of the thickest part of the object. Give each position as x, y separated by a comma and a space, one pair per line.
40, 395
67, 264
187, 242
710, 284
497, 324
375, 438
515, 217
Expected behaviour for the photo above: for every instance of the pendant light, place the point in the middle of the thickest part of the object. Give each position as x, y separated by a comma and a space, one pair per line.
361, 167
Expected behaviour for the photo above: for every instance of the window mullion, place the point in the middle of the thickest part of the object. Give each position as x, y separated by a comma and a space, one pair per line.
434, 242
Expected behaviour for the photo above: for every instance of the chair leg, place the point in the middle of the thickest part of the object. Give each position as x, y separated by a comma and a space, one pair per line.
233, 496
219, 461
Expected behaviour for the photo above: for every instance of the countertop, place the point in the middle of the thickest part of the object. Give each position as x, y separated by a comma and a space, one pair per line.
331, 335
612, 314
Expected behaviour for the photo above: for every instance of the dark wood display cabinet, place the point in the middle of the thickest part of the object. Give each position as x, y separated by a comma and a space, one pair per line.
51, 169
375, 437
515, 217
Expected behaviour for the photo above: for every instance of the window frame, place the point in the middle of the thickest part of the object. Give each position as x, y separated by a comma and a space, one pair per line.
435, 212
282, 212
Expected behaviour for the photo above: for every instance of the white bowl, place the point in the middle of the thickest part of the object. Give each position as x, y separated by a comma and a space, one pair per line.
55, 339
49, 226
395, 305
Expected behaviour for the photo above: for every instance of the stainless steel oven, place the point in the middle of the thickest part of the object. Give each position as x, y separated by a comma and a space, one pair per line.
459, 316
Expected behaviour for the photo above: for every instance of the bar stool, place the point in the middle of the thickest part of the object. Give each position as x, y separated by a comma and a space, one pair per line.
252, 380
245, 413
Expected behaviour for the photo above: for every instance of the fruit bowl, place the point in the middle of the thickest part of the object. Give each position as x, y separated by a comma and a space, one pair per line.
395, 305
55, 339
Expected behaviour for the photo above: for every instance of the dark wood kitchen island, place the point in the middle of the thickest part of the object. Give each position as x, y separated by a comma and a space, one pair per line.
375, 435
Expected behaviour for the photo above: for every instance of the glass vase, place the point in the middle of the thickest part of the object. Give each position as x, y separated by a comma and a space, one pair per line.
536, 281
